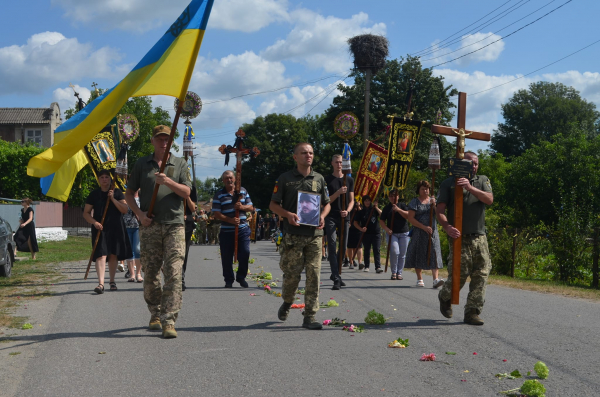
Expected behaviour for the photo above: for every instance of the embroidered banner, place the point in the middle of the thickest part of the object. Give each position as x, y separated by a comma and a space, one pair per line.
371, 171
404, 136
101, 155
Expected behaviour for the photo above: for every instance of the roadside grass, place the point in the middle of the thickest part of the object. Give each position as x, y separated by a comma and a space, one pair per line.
543, 286
32, 279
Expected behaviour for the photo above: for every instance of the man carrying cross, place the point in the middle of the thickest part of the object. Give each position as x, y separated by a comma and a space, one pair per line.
475, 256
225, 203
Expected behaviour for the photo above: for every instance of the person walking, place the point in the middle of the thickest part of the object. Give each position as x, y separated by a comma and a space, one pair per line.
475, 254
25, 238
354, 251
162, 236
301, 243
133, 232
337, 215
419, 210
226, 202
368, 223
393, 221
113, 244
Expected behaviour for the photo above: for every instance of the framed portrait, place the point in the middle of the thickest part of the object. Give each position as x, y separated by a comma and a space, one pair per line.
309, 208
405, 141
103, 150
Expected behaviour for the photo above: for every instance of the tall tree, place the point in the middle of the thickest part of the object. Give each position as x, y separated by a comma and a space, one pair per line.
539, 113
390, 89
554, 175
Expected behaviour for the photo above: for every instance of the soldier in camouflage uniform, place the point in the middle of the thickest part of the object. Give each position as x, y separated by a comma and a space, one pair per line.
301, 244
475, 256
162, 236
201, 227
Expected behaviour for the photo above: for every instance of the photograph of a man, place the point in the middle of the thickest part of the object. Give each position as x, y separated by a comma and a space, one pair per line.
308, 208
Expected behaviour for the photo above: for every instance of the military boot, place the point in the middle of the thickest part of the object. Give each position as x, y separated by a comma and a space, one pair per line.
445, 308
169, 332
472, 317
336, 284
154, 323
284, 310
310, 323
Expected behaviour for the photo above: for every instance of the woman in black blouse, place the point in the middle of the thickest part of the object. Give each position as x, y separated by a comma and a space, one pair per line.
25, 236
114, 242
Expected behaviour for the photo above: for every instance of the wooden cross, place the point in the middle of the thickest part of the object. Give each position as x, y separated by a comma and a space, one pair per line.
239, 150
461, 134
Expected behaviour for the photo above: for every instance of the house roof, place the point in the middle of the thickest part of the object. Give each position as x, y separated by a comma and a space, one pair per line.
25, 115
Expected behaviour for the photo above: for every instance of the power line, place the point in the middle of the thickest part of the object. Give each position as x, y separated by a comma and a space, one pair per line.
273, 90
490, 35
479, 27
454, 34
508, 35
537, 70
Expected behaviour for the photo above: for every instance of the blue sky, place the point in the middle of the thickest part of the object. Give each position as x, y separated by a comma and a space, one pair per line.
258, 45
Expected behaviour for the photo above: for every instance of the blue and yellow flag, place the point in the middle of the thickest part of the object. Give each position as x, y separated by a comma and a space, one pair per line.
165, 70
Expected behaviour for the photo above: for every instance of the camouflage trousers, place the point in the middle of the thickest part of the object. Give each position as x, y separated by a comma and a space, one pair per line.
301, 253
475, 263
163, 248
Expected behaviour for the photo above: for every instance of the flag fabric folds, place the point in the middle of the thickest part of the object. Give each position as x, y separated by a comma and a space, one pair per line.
165, 70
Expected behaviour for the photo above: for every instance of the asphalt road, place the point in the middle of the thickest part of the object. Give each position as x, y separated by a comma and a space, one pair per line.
231, 343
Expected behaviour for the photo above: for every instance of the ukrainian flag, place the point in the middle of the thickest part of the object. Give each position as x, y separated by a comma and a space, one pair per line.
165, 70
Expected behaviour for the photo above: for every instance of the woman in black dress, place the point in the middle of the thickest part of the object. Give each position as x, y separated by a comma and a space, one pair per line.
114, 242
367, 222
25, 236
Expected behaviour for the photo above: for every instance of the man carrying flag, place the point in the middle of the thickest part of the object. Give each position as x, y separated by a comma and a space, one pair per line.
165, 70
162, 237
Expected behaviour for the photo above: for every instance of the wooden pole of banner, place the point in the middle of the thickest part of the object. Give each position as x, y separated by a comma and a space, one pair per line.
165, 158
89, 265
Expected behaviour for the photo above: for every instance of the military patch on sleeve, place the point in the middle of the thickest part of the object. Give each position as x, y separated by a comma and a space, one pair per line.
488, 184
276, 188
326, 192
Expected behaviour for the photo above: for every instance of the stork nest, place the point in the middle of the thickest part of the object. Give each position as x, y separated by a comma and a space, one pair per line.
369, 51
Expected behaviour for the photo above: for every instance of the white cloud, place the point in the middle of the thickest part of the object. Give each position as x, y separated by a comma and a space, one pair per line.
143, 15
295, 99
66, 99
247, 15
50, 58
484, 110
321, 42
470, 42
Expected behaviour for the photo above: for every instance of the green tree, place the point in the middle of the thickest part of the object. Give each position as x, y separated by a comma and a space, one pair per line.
538, 178
275, 136
541, 112
14, 181
208, 188
389, 93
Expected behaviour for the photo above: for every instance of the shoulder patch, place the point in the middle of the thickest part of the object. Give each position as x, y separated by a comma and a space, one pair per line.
488, 184
276, 188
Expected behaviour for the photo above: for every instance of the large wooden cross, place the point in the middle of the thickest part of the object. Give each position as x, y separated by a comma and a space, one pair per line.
461, 134
239, 150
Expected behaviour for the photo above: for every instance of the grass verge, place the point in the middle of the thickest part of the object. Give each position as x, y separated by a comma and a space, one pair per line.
31, 279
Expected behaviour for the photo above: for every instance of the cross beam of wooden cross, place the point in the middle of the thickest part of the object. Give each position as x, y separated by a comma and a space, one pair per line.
461, 134
239, 150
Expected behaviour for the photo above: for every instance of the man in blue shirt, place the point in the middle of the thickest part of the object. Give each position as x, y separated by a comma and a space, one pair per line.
225, 202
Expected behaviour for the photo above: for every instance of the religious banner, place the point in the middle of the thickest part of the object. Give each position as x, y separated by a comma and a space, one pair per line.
102, 155
371, 171
404, 136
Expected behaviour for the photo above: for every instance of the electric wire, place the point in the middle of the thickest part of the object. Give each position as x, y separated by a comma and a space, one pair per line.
508, 35
490, 35
477, 28
454, 34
